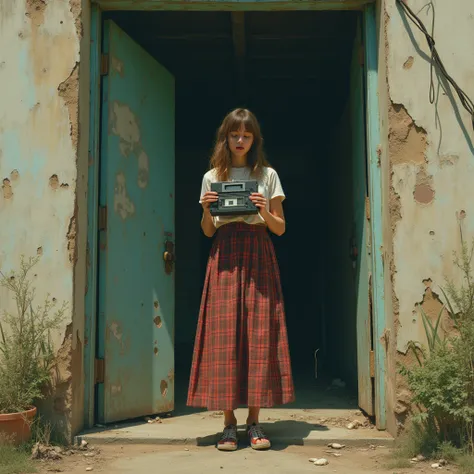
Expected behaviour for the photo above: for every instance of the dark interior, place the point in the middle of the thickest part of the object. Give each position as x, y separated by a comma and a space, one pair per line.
292, 69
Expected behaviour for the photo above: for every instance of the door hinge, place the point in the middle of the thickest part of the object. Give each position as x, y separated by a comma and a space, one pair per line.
99, 371
367, 208
372, 364
102, 217
104, 64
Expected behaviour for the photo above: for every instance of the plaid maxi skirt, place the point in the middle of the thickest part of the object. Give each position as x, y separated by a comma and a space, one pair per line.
241, 354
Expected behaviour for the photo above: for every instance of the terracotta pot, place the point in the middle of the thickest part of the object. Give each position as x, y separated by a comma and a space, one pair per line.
17, 426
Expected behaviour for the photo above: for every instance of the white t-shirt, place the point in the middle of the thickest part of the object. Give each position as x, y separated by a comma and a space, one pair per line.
269, 185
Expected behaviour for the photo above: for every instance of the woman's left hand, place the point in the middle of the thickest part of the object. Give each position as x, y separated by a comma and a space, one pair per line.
260, 201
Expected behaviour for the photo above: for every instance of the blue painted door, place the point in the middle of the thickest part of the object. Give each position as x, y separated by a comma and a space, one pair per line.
136, 280
360, 242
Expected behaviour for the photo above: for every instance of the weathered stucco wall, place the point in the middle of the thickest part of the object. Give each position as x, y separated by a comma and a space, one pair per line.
431, 161
39, 141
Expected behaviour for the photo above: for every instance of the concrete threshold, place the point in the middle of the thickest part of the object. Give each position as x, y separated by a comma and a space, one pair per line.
284, 426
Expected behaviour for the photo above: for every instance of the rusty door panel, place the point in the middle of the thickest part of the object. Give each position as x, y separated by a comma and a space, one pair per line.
136, 277
361, 242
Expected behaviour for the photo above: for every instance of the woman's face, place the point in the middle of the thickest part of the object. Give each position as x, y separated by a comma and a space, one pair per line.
240, 141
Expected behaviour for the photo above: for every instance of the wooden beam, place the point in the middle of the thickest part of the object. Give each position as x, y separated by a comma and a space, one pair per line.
238, 38
232, 5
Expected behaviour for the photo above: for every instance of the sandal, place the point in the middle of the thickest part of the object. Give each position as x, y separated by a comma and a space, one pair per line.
257, 437
228, 441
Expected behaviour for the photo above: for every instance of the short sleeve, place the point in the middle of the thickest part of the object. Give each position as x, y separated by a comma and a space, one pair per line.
206, 186
275, 188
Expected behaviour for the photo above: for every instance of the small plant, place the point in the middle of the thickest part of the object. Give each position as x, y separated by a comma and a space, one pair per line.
14, 460
442, 383
26, 352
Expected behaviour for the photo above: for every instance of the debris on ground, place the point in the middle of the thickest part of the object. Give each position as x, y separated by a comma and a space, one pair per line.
353, 425
336, 446
319, 461
419, 458
157, 419
50, 453
336, 455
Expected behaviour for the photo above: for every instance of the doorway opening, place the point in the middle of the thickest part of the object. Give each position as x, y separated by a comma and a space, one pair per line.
293, 70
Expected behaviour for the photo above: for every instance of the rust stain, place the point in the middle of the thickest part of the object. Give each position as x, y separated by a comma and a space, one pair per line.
164, 388
7, 189
409, 63
156, 305
158, 322
155, 350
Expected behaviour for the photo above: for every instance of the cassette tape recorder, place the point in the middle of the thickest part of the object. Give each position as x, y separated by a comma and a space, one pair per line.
234, 198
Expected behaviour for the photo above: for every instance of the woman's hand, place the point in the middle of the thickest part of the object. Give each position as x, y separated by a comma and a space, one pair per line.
260, 201
208, 198
274, 216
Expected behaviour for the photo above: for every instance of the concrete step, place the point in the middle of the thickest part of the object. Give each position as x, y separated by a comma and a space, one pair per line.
284, 427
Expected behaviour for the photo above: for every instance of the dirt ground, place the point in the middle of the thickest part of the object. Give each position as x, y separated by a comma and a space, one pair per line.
138, 459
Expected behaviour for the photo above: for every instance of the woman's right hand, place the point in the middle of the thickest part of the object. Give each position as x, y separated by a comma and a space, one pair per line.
208, 198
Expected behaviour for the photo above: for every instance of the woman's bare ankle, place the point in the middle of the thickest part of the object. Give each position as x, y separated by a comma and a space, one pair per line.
229, 418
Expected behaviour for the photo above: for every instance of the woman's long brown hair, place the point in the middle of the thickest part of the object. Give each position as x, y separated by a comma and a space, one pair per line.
221, 159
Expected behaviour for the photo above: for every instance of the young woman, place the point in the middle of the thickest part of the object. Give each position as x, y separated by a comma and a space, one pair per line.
241, 354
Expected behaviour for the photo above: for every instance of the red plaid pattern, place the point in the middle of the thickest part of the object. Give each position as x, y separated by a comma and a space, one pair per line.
241, 353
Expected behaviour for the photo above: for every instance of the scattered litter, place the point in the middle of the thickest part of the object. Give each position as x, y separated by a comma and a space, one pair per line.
435, 465
354, 425
442, 462
336, 446
336, 455
153, 420
84, 444
40, 451
321, 462
89, 468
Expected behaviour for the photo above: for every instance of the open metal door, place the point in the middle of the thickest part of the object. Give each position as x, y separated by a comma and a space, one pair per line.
361, 238
135, 347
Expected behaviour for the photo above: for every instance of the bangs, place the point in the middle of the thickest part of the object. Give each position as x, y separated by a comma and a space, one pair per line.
239, 118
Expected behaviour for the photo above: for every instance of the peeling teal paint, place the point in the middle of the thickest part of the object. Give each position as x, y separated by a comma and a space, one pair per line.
375, 186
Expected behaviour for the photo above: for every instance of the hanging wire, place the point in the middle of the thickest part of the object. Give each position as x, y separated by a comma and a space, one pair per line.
466, 102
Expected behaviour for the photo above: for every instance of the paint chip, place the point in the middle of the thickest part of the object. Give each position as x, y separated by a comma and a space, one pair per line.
7, 189
424, 194
122, 202
54, 181
155, 304
158, 322
155, 350
39, 251
409, 63
14, 175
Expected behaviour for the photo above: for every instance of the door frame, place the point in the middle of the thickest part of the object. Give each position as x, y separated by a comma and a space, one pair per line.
373, 146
